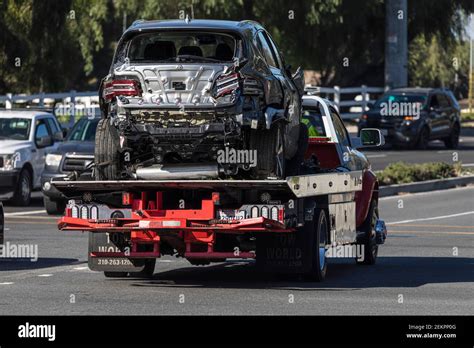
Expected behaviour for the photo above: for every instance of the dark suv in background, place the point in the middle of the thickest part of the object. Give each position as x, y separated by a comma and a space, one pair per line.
414, 116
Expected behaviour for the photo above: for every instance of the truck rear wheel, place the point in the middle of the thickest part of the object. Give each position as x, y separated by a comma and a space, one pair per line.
106, 156
320, 229
370, 242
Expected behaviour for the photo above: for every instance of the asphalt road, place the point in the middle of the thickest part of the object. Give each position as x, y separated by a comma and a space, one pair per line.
436, 152
416, 263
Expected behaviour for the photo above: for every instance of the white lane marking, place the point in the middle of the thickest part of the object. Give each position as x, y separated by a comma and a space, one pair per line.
26, 213
375, 156
432, 218
45, 275
427, 193
7, 283
7, 229
80, 268
166, 261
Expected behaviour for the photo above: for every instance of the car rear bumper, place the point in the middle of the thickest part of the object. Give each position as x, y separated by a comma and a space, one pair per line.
49, 190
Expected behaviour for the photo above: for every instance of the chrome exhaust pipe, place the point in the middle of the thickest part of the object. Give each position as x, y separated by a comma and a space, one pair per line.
180, 171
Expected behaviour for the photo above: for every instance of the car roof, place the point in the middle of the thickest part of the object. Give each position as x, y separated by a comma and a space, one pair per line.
29, 114
195, 24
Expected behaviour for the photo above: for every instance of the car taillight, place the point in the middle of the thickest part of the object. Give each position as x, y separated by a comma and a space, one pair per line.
121, 87
226, 84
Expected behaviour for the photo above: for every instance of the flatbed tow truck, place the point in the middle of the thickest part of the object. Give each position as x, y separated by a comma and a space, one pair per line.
287, 225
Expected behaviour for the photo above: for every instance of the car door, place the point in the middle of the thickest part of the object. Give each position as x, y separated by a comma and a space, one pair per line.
445, 115
351, 158
291, 97
275, 92
435, 115
42, 129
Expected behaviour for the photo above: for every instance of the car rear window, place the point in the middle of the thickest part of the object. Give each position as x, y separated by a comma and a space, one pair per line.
166, 46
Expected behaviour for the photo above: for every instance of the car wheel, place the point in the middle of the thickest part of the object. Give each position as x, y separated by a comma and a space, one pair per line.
294, 165
148, 269
270, 147
53, 207
106, 155
22, 194
423, 139
320, 231
370, 242
452, 141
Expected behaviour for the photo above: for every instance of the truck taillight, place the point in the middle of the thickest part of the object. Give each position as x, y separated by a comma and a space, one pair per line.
226, 84
121, 87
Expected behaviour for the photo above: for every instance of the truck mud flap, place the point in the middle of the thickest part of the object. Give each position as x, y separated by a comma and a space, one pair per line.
100, 242
284, 252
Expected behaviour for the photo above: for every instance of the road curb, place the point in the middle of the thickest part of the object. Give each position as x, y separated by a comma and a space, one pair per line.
425, 186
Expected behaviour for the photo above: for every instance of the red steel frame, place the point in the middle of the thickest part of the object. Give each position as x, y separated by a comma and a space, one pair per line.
150, 222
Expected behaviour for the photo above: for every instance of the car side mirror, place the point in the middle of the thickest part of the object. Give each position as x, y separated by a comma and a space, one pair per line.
64, 131
368, 137
58, 136
44, 141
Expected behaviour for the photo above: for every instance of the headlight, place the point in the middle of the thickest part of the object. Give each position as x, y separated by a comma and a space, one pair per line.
53, 160
9, 161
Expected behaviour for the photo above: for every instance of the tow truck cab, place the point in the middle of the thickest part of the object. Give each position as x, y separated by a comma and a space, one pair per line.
287, 225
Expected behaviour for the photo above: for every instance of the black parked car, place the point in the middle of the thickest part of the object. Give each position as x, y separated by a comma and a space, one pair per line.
179, 92
414, 116
73, 155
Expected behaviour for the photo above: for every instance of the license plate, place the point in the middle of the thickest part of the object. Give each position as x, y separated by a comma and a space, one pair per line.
384, 132
230, 214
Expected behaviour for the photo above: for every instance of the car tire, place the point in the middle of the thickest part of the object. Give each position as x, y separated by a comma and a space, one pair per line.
452, 141
293, 166
270, 147
370, 242
320, 230
423, 139
148, 269
106, 154
22, 194
53, 207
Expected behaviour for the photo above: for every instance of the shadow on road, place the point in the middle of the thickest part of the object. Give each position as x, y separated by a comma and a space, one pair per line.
27, 264
342, 275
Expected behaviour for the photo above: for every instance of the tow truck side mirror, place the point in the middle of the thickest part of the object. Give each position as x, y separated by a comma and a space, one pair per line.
368, 137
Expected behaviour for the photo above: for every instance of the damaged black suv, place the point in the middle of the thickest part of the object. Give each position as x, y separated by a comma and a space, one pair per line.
195, 99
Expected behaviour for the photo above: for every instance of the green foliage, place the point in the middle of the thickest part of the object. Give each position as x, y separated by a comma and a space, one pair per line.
68, 44
402, 173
